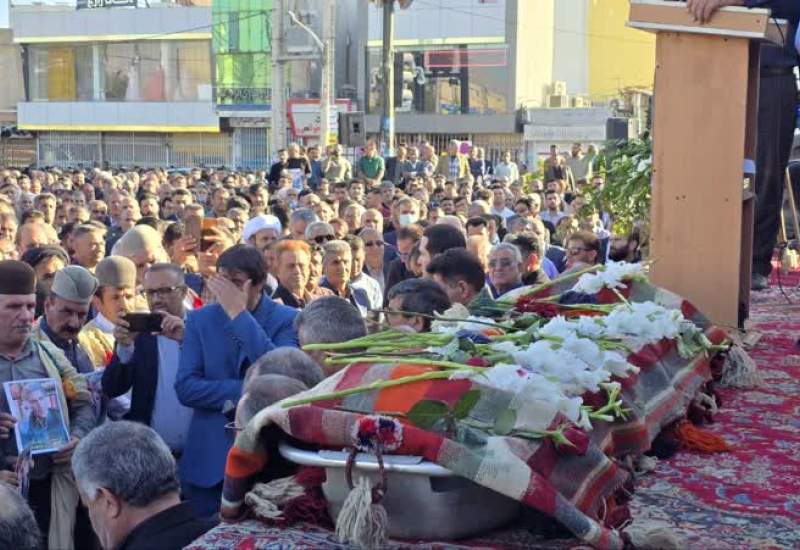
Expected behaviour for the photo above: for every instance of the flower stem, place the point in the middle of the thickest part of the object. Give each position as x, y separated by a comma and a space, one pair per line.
562, 279
622, 298
399, 359
377, 385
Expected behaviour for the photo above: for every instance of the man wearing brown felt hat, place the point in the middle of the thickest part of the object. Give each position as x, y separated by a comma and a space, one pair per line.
22, 358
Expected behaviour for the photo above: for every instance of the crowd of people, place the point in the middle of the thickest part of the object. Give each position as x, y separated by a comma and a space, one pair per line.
190, 292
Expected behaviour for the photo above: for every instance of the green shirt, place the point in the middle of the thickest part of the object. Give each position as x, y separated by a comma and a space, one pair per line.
371, 167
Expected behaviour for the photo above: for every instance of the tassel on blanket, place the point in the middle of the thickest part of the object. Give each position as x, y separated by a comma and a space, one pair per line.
267, 499
650, 536
362, 522
696, 439
740, 370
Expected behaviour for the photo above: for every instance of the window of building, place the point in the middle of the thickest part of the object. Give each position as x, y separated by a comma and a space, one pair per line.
168, 70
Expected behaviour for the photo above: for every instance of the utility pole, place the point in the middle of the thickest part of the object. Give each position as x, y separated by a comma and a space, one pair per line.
278, 101
387, 125
327, 97
326, 46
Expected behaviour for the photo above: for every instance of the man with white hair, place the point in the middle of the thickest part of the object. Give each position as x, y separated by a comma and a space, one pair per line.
128, 479
505, 268
143, 246
454, 165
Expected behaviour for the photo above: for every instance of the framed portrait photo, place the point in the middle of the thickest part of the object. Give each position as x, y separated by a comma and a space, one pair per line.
36, 404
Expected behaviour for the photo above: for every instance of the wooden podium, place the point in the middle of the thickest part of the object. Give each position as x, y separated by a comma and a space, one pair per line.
704, 143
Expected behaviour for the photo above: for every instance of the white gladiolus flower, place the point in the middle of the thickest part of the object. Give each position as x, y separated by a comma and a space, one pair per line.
610, 277
458, 311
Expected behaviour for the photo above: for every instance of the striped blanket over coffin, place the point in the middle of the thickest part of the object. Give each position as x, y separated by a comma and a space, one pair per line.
570, 488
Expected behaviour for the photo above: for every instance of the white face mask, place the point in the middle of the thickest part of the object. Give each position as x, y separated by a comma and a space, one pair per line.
406, 219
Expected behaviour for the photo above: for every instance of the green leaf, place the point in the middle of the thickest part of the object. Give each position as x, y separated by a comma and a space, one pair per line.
505, 422
425, 414
465, 404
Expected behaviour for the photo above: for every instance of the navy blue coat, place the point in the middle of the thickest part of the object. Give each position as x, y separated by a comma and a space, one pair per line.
215, 355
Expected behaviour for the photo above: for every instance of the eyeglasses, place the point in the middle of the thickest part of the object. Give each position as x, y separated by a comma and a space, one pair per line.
320, 239
166, 291
576, 251
370, 244
502, 263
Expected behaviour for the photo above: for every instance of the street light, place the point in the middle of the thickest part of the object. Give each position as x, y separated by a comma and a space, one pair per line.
325, 66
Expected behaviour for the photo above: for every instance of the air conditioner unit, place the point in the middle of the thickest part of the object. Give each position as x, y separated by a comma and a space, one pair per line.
559, 87
557, 101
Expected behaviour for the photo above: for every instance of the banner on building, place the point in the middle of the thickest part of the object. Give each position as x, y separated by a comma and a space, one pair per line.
95, 4
304, 116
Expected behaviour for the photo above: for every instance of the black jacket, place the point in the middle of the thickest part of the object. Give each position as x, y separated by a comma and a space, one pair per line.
141, 374
785, 55
172, 529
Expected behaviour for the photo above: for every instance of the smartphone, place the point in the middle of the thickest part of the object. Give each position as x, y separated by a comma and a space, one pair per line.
193, 227
200, 229
144, 322
208, 228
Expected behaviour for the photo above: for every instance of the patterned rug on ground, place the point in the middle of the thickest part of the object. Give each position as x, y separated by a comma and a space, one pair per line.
747, 498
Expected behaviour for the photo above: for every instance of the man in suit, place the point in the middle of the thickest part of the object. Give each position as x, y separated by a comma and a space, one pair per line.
127, 478
777, 106
147, 363
220, 342
455, 165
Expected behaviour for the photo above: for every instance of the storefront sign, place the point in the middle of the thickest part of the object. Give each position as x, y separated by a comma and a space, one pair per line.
94, 4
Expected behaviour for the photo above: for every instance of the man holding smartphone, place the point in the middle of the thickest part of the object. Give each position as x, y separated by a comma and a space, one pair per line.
146, 362
115, 296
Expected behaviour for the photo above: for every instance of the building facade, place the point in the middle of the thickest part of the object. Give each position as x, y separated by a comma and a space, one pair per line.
119, 86
243, 80
506, 74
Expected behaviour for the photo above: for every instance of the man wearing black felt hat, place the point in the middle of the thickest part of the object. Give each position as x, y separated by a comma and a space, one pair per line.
23, 357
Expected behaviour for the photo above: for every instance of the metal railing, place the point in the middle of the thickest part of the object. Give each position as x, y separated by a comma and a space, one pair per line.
17, 152
68, 149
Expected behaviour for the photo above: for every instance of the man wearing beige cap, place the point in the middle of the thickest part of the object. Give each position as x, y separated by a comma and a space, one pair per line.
115, 295
65, 311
